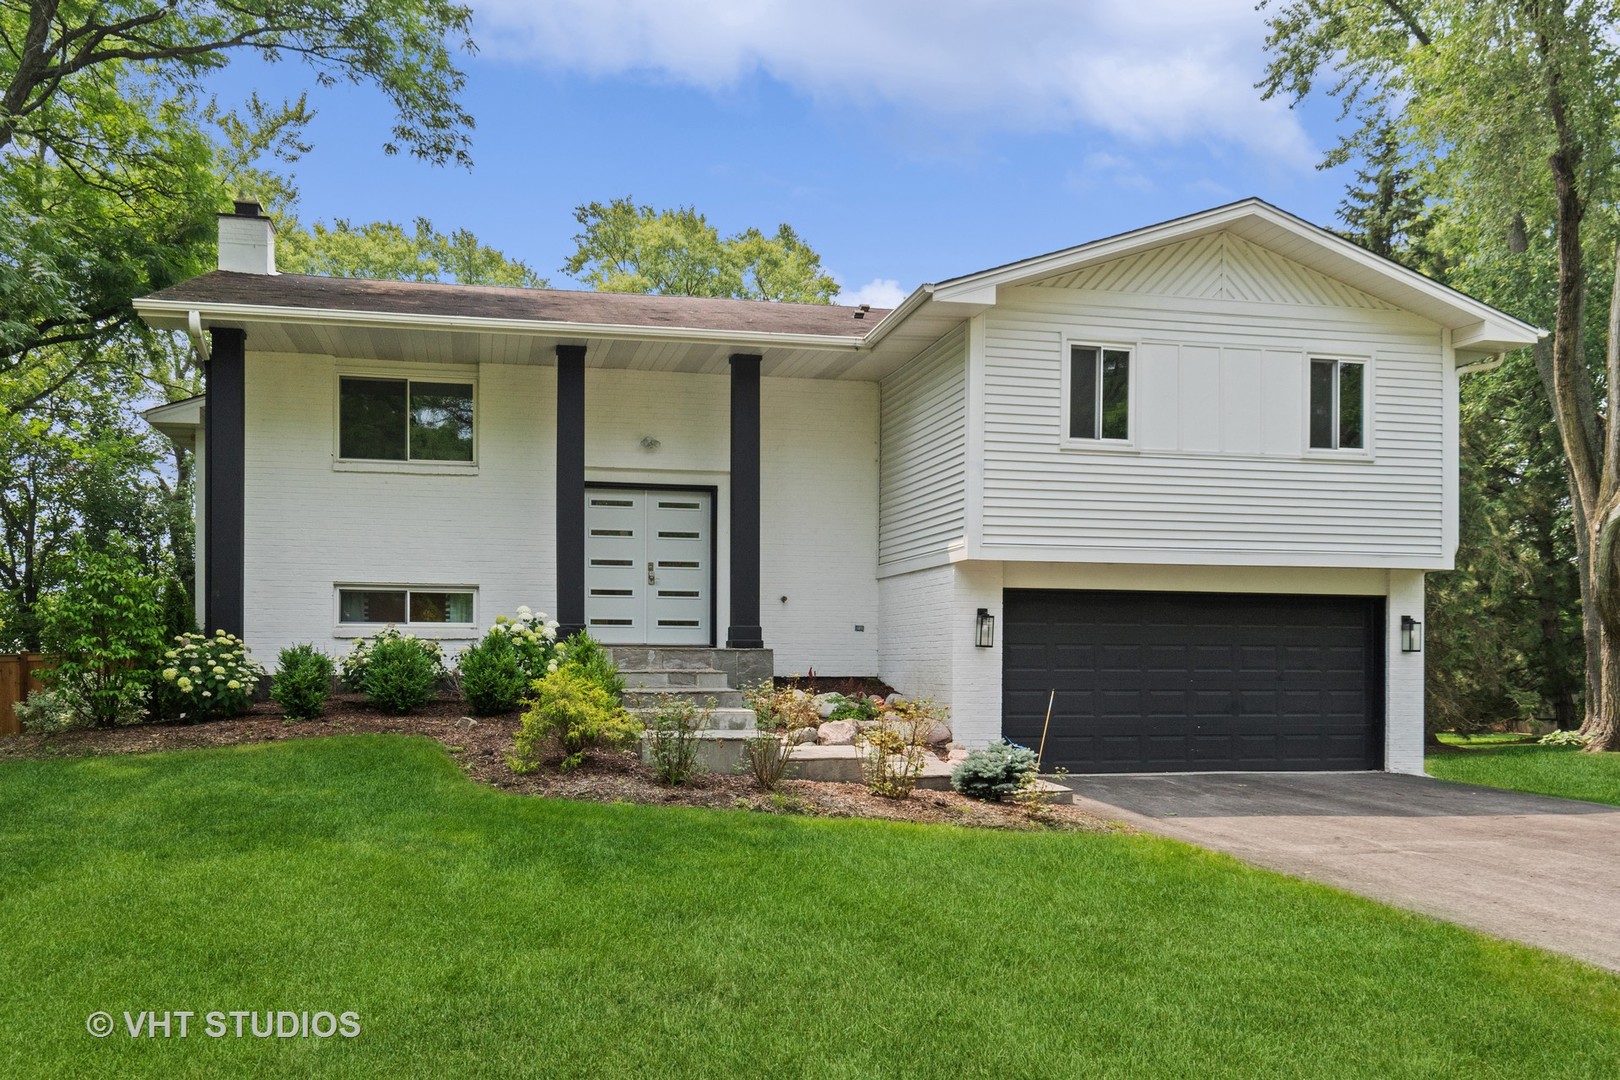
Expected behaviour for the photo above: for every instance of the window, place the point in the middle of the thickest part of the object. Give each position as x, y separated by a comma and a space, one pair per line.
405, 607
1099, 393
1338, 404
404, 420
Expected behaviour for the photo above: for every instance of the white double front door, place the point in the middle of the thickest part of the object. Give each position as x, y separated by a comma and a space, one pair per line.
649, 566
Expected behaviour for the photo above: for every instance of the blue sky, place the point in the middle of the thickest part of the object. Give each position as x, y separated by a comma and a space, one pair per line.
905, 141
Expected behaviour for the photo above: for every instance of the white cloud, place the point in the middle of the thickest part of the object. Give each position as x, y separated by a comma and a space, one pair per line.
1154, 71
879, 292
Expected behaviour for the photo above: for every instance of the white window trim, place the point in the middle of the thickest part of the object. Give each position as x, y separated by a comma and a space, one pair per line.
1364, 452
407, 373
1068, 442
439, 631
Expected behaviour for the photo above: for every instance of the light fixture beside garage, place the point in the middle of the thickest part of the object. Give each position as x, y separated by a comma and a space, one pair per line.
1411, 634
984, 629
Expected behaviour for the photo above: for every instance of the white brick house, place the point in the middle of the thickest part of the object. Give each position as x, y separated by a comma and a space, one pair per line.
1193, 475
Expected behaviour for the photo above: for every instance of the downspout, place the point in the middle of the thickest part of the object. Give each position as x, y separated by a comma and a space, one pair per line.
194, 327
1484, 365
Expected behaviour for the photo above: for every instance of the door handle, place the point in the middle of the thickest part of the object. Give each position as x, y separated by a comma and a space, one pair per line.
650, 580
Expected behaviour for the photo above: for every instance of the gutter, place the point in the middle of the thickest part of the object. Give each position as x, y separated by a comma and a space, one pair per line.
251, 313
1484, 365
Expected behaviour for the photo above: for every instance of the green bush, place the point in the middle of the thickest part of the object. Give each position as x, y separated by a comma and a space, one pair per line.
576, 710
492, 676
179, 614
855, 710
995, 771
672, 737
47, 711
352, 667
401, 673
207, 676
105, 628
534, 639
302, 682
586, 653
780, 708
1563, 738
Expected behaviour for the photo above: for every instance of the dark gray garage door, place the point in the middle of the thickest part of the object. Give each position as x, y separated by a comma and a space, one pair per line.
1179, 682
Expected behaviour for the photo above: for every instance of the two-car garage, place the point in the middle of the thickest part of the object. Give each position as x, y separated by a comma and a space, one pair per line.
1185, 682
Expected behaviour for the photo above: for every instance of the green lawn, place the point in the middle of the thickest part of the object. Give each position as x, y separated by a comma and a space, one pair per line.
481, 933
1545, 770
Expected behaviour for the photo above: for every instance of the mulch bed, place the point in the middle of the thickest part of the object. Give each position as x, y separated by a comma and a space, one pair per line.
480, 746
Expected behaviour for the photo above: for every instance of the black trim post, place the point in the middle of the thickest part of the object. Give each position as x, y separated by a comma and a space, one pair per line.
224, 508
570, 489
744, 631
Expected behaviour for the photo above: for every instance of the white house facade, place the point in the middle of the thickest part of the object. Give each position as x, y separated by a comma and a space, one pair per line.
1181, 486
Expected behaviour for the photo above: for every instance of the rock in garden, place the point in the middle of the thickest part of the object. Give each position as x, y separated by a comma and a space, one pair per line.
938, 733
828, 707
892, 698
836, 733
958, 754
802, 735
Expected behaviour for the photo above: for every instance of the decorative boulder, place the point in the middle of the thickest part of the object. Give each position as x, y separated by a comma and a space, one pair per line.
829, 705
799, 736
938, 733
836, 733
958, 754
892, 698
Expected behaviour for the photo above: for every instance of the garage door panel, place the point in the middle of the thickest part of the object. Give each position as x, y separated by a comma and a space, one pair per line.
1179, 681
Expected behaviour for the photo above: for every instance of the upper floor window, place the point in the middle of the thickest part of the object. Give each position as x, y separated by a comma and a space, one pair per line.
1338, 404
1099, 392
404, 420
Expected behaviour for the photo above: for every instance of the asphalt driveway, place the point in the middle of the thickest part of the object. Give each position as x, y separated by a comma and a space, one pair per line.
1534, 869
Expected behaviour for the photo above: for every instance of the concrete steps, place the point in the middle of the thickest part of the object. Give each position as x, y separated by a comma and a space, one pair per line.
648, 698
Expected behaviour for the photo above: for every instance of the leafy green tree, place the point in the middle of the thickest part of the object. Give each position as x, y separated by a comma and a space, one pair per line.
385, 250
1384, 210
1521, 103
628, 248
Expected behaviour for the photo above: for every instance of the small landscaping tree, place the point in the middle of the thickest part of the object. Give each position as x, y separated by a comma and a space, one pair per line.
105, 629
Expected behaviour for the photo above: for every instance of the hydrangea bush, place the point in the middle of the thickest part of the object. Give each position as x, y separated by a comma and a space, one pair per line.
497, 673
353, 667
534, 639
206, 676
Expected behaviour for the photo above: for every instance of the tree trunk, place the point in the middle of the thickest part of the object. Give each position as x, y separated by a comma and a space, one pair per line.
1602, 732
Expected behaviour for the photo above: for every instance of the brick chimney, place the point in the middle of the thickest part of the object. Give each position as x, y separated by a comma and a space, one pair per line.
247, 240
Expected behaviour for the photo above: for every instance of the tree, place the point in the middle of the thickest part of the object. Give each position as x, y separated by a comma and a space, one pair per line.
1386, 213
1520, 101
383, 249
628, 248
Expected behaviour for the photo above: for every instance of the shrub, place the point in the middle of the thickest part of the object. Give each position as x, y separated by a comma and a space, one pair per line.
894, 752
672, 737
105, 628
401, 673
767, 755
491, 675
534, 639
995, 771
207, 676
48, 711
1563, 738
352, 668
303, 680
179, 614
780, 709
857, 709
572, 707
586, 653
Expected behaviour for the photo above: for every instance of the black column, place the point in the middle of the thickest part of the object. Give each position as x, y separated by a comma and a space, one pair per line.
570, 488
223, 425
745, 632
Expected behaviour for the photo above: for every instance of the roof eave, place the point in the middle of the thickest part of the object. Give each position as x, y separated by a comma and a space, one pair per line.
173, 314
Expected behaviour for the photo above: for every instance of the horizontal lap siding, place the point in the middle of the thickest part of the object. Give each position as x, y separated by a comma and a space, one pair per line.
924, 452
1183, 487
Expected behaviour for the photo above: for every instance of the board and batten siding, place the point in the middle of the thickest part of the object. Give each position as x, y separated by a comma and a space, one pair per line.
1217, 468
923, 459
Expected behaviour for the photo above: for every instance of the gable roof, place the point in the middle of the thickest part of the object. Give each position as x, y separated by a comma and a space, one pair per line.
1475, 325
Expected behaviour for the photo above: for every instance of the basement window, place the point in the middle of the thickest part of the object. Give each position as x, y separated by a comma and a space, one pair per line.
1338, 404
404, 420
426, 606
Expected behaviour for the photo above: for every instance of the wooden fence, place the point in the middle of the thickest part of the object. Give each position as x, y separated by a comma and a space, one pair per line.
19, 674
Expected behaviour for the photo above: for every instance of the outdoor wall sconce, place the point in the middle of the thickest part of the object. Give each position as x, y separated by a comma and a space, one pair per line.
1411, 634
984, 629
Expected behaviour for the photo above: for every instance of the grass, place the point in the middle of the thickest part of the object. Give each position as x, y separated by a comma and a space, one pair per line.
481, 933
1563, 771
